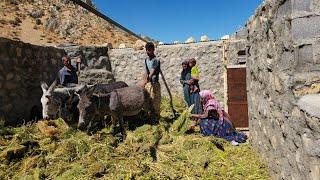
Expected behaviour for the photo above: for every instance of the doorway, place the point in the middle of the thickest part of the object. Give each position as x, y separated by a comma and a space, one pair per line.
237, 96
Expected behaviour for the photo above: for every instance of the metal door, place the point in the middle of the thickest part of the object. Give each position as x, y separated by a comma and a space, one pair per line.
237, 97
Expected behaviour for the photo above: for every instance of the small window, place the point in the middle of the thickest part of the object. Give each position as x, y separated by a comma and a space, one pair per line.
242, 57
242, 53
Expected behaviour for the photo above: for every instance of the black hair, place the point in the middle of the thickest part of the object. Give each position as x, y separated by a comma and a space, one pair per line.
67, 57
213, 114
149, 45
185, 63
193, 60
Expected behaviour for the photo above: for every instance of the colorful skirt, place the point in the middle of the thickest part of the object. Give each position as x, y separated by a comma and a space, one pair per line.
222, 129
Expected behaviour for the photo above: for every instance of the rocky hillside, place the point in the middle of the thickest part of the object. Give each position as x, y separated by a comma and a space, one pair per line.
53, 22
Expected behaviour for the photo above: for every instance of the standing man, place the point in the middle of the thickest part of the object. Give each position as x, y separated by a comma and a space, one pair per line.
68, 74
152, 75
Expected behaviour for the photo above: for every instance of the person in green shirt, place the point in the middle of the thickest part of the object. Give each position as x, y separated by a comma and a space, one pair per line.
195, 75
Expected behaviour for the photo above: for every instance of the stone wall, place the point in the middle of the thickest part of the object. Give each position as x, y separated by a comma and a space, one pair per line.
22, 67
128, 64
283, 67
95, 63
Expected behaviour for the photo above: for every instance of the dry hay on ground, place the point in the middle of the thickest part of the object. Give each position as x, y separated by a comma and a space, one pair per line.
149, 152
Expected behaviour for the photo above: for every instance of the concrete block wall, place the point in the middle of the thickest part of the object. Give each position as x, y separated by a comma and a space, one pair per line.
283, 72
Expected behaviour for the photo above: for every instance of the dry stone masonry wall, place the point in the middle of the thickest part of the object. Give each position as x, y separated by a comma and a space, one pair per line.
22, 67
283, 82
128, 64
95, 63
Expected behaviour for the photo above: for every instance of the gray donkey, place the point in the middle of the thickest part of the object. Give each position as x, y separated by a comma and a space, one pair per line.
62, 102
126, 101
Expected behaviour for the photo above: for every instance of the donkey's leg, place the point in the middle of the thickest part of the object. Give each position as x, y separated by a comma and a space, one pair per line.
123, 129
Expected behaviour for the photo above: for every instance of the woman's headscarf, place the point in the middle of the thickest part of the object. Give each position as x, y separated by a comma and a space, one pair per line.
206, 95
209, 102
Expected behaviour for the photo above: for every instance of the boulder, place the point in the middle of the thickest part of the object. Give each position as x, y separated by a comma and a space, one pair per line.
122, 46
108, 45
139, 45
37, 13
52, 24
94, 76
102, 63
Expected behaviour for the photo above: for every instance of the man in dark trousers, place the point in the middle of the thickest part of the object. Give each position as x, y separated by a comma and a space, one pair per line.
152, 84
68, 74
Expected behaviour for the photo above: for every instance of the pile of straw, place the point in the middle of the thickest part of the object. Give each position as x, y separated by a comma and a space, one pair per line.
52, 150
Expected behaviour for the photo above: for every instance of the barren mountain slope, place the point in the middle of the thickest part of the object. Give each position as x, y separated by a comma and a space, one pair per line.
52, 22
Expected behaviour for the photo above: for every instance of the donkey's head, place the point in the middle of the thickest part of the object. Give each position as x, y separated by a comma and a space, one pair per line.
50, 102
87, 106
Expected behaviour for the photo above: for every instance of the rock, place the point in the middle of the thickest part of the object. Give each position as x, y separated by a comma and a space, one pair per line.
139, 45
38, 22
9, 76
204, 38
315, 171
108, 45
10, 85
225, 37
122, 46
15, 22
190, 40
311, 104
37, 14
52, 24
18, 51
94, 76
242, 33
102, 63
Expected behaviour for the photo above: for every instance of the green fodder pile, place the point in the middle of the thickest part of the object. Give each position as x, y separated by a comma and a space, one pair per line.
52, 150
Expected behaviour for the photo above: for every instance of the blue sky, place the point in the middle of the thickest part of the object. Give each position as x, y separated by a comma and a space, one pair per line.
170, 20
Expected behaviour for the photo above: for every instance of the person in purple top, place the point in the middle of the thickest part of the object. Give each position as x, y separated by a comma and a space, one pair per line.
68, 74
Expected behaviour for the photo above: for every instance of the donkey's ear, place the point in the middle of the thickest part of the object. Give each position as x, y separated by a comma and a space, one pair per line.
79, 90
44, 86
52, 86
90, 90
